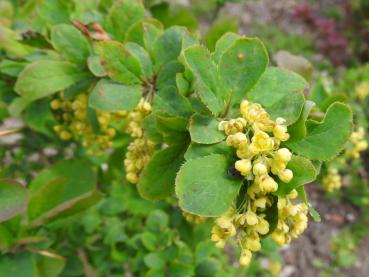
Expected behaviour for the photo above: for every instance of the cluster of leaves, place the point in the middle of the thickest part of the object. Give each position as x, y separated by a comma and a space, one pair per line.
117, 56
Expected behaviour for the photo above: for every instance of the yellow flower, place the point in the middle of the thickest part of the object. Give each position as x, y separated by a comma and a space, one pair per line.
262, 227
261, 142
251, 218
280, 132
236, 139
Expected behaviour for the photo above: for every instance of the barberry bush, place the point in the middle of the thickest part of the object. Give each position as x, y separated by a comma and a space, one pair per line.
124, 102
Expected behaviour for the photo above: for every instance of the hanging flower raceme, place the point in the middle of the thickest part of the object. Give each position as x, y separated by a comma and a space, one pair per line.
192, 218
357, 144
261, 161
332, 180
72, 116
141, 149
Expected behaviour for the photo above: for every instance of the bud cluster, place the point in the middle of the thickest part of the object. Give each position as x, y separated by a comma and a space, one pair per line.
74, 123
256, 138
141, 149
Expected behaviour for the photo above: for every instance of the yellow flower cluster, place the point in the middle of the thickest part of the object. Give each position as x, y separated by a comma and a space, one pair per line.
357, 144
332, 181
256, 138
138, 154
261, 155
292, 219
74, 123
362, 90
141, 149
192, 218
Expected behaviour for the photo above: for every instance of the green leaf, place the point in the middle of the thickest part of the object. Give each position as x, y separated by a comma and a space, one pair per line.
218, 29
167, 75
173, 129
280, 92
204, 250
204, 129
110, 96
314, 213
43, 78
157, 221
51, 197
123, 14
94, 65
13, 199
145, 32
157, 179
143, 57
18, 105
149, 240
209, 267
69, 208
208, 84
54, 11
118, 62
242, 65
200, 150
39, 117
298, 129
170, 44
318, 93
170, 102
151, 130
154, 260
325, 139
303, 172
50, 266
21, 264
222, 45
71, 43
204, 188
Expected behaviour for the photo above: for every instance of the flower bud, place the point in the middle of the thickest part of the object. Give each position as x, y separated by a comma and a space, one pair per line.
245, 257
243, 166
285, 175
283, 154
259, 169
293, 194
262, 227
267, 184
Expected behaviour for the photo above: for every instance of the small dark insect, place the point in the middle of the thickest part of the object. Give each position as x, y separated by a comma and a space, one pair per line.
29, 34
233, 172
